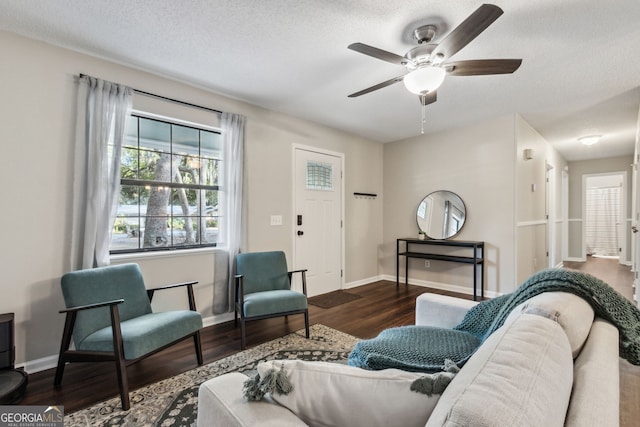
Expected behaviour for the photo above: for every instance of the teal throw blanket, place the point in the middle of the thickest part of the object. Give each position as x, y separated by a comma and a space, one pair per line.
428, 346
606, 303
414, 349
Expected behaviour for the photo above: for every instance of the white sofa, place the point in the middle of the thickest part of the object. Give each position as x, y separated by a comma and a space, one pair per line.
552, 363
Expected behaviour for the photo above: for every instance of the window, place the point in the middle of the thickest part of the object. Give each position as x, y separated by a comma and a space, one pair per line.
169, 195
319, 176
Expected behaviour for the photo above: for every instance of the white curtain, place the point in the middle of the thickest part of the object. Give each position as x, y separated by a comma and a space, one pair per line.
232, 131
103, 108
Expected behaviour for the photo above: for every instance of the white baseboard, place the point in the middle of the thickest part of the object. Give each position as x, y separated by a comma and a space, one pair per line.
50, 362
576, 259
216, 319
442, 286
38, 365
363, 282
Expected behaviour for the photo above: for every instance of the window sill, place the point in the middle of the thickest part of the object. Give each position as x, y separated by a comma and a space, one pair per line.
165, 254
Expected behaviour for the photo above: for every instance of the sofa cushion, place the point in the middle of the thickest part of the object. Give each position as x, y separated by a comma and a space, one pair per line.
573, 313
220, 403
331, 394
595, 397
525, 371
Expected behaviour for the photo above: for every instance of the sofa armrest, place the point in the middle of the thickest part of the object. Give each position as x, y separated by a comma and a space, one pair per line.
595, 398
440, 310
220, 403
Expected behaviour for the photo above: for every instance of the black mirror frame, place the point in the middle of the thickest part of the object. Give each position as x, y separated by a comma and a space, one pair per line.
459, 228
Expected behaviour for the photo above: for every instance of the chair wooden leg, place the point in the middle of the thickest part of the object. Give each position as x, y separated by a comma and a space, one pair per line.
235, 316
242, 337
306, 322
123, 383
64, 346
198, 344
121, 366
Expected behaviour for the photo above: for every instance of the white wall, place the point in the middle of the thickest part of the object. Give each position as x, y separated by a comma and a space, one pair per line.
477, 163
531, 201
39, 94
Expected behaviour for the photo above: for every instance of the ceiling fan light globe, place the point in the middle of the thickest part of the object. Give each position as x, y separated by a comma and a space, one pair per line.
424, 80
590, 140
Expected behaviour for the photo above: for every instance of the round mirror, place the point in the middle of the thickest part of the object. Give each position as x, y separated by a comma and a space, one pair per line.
441, 215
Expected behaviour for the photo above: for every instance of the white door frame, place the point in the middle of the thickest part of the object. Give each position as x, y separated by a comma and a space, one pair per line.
551, 215
565, 214
342, 202
635, 215
623, 214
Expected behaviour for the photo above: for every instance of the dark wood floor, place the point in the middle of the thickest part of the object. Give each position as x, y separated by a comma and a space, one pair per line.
382, 306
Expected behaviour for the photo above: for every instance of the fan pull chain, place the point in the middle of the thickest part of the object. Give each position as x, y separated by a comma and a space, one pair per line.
424, 118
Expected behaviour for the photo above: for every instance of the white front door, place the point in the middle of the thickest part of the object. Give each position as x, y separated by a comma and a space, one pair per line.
318, 219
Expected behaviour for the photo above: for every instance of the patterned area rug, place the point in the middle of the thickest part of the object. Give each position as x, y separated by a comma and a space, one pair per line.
174, 401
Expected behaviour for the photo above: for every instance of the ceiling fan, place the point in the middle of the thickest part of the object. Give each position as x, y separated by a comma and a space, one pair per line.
426, 64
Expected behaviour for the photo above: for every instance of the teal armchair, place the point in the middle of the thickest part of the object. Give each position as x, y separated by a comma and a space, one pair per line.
263, 289
110, 319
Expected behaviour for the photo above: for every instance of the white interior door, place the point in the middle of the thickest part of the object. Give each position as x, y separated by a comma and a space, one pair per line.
318, 219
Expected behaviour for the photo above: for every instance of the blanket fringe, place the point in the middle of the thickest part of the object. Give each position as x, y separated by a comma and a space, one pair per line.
273, 382
436, 383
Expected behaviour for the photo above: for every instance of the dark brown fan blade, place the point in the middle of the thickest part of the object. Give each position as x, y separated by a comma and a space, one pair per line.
429, 98
378, 86
479, 67
468, 30
378, 53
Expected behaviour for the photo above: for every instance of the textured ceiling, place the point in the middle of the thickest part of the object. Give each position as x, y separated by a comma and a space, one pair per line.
580, 72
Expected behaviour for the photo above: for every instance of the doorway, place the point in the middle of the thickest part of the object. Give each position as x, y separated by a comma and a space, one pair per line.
318, 204
604, 215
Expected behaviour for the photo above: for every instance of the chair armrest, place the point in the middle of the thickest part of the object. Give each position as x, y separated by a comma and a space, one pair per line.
189, 285
176, 285
70, 321
303, 271
239, 289
89, 306
441, 310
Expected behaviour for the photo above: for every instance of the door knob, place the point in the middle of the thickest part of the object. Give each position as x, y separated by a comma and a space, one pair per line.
300, 233
634, 228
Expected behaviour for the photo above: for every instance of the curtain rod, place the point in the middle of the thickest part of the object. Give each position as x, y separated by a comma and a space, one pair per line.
165, 98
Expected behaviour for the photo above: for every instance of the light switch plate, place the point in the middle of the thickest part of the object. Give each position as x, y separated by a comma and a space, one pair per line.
276, 219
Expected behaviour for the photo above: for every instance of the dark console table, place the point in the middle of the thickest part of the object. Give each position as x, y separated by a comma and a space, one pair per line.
416, 248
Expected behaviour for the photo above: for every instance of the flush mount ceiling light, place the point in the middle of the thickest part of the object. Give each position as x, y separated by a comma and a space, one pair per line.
590, 140
424, 80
